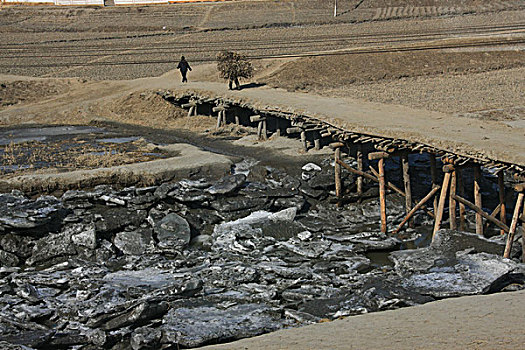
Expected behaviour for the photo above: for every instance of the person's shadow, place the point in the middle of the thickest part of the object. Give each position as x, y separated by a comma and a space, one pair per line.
251, 85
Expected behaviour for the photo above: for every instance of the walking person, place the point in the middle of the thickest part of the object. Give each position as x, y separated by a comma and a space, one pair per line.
232, 79
183, 66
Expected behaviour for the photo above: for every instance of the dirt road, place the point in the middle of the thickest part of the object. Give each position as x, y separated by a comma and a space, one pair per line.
496, 140
479, 322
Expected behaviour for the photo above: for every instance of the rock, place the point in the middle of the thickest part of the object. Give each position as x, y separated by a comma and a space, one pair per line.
162, 191
322, 182
369, 241
310, 192
301, 317
53, 246
173, 232
311, 167
195, 326
376, 294
9, 346
144, 201
441, 271
137, 315
134, 242
297, 201
68, 339
200, 183
37, 338
311, 250
286, 215
234, 204
21, 213
230, 275
203, 242
87, 236
241, 236
18, 245
141, 191
112, 200
152, 279
115, 219
72, 195
145, 338
227, 184
190, 195
8, 259
454, 241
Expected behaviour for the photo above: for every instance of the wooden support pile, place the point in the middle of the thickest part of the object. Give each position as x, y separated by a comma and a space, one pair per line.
515, 218
406, 182
382, 185
221, 117
262, 134
297, 130
337, 168
192, 105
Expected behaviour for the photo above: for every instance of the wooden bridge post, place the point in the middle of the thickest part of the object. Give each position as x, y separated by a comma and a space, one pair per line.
477, 199
303, 141
406, 182
277, 127
264, 131
433, 175
261, 126
452, 201
515, 217
192, 107
502, 209
336, 146
382, 194
317, 143
461, 189
441, 204
523, 234
221, 116
359, 158
382, 186
338, 183
219, 120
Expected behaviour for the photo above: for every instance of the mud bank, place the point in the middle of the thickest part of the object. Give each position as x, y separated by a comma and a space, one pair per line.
189, 160
477, 322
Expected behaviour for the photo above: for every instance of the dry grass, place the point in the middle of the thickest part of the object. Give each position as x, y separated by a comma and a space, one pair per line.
149, 109
319, 73
15, 92
39, 157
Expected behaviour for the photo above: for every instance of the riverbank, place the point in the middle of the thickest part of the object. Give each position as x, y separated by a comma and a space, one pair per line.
473, 322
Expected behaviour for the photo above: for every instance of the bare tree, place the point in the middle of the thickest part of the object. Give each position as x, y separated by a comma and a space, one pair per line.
232, 66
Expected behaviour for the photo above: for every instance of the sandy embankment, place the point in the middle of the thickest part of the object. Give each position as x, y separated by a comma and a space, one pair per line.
477, 322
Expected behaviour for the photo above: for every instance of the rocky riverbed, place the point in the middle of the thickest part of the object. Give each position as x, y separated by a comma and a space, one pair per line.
203, 261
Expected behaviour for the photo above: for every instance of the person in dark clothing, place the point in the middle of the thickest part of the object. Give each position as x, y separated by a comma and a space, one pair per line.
236, 80
183, 66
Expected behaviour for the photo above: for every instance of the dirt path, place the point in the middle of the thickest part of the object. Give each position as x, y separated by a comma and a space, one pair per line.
493, 139
478, 322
